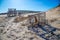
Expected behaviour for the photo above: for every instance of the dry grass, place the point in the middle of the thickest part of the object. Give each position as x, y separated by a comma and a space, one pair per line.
19, 19
53, 16
2, 19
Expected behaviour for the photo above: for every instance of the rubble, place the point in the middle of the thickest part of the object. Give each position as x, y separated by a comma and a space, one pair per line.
32, 27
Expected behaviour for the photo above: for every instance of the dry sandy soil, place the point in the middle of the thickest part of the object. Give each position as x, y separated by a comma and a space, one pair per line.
53, 16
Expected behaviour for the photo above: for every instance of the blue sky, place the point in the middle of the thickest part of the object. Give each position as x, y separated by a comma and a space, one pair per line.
37, 5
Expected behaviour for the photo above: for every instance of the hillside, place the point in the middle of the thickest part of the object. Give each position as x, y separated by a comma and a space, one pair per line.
53, 16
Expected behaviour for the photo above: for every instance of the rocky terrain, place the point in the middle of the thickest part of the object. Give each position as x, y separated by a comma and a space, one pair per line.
17, 28
11, 30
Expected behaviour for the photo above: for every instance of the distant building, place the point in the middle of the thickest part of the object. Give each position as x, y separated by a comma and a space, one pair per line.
11, 12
